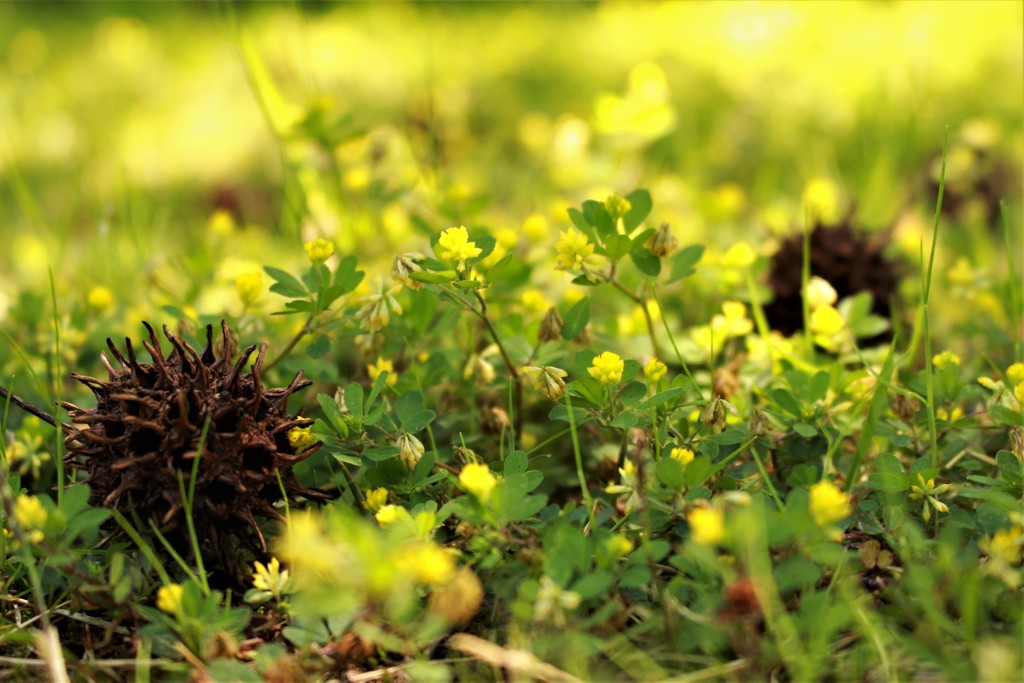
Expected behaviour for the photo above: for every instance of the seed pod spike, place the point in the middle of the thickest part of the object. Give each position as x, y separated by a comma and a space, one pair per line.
117, 353
144, 432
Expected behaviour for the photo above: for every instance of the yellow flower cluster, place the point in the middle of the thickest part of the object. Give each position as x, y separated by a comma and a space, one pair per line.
249, 287
476, 478
654, 370
454, 245
301, 438
169, 598
574, 252
829, 503
607, 368
684, 456
707, 525
271, 578
31, 516
319, 250
382, 365
946, 358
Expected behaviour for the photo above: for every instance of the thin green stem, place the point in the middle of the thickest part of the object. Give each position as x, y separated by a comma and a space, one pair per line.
766, 479
58, 385
579, 460
926, 284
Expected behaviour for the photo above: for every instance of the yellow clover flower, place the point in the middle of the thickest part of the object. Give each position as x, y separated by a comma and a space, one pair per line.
300, 438
1015, 373
319, 250
426, 562
947, 357
607, 368
684, 456
829, 503
249, 287
574, 252
454, 245
739, 255
707, 525
819, 293
548, 380
376, 499
382, 365
477, 479
827, 321
31, 516
654, 370
100, 298
169, 598
271, 578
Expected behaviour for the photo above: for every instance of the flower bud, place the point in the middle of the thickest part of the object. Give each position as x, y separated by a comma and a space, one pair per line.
550, 326
663, 243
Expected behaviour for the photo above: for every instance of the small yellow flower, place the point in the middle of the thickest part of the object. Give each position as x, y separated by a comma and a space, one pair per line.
827, 321
707, 525
477, 479
1015, 373
221, 223
607, 368
100, 298
829, 503
739, 255
300, 438
947, 357
535, 227
410, 449
619, 546
930, 492
617, 206
574, 252
949, 416
732, 322
426, 562
684, 456
319, 250
454, 245
376, 499
390, 514
249, 287
961, 273
382, 365
1004, 546
654, 370
31, 516
169, 598
1018, 392
821, 197
820, 293
271, 578
535, 300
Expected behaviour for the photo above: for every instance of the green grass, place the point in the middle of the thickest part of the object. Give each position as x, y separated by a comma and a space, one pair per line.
851, 511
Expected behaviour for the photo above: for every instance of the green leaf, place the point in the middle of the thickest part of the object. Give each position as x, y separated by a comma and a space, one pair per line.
645, 261
285, 283
524, 508
598, 216
697, 471
346, 276
354, 398
408, 404
1007, 416
515, 463
381, 453
332, 413
683, 263
418, 421
319, 347
592, 585
495, 271
805, 430
617, 245
670, 473
486, 244
663, 397
640, 208
787, 401
1009, 466
633, 393
378, 386
818, 387
467, 284
432, 278
576, 319
625, 420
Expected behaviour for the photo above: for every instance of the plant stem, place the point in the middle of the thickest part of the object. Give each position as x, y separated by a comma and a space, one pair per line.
303, 331
579, 460
642, 302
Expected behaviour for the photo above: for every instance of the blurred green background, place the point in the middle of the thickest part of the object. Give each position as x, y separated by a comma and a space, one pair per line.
124, 127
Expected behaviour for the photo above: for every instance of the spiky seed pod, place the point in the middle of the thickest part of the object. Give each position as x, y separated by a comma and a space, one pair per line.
850, 261
152, 420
